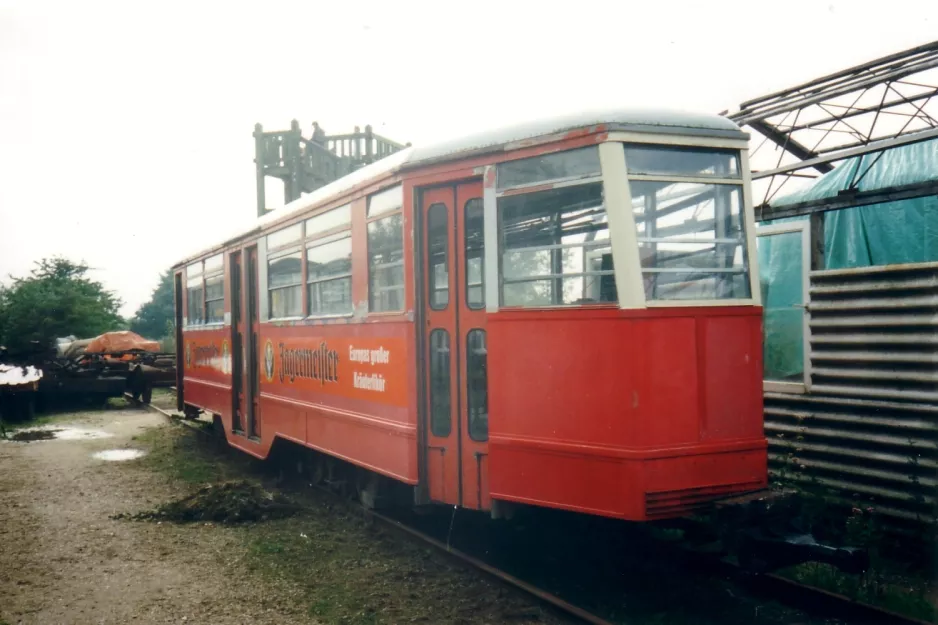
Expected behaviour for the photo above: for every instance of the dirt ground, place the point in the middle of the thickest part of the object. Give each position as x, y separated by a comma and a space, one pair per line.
82, 541
63, 560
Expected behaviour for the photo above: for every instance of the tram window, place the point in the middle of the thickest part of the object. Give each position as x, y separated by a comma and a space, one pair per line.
386, 201
285, 285
278, 239
330, 220
440, 382
682, 161
477, 396
475, 254
386, 264
214, 264
215, 299
195, 295
555, 247
214, 289
692, 240
329, 275
437, 256
580, 163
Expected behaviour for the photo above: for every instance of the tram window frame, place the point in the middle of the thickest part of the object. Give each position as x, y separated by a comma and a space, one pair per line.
195, 293
477, 402
441, 383
474, 240
438, 256
327, 229
284, 243
386, 207
682, 274
718, 163
532, 198
565, 165
213, 275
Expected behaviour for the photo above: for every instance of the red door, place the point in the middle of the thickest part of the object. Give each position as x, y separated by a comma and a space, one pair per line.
455, 359
238, 329
253, 353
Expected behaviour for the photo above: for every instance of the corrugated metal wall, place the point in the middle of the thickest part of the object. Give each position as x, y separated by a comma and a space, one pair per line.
866, 425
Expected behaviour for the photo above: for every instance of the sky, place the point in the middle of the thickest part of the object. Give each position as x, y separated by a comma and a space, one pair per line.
125, 133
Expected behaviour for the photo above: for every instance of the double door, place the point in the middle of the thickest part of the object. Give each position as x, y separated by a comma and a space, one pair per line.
245, 325
455, 345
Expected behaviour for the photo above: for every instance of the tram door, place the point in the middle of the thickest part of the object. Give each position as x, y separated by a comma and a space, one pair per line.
253, 354
180, 348
455, 360
237, 344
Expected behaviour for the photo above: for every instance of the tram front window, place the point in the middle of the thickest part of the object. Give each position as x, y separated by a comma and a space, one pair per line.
688, 210
553, 231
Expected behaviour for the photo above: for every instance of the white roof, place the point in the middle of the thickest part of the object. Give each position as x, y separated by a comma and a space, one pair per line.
15, 376
633, 120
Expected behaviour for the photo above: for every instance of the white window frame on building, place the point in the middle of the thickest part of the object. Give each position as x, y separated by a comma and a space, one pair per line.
802, 227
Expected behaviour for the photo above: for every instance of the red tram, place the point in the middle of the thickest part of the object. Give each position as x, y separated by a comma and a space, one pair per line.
564, 313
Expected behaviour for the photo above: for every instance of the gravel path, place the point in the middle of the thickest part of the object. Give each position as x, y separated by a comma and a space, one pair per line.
63, 559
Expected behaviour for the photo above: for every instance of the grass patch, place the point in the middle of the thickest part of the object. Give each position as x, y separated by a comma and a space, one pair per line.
58, 410
348, 571
163, 398
183, 455
895, 592
40, 421
337, 567
115, 403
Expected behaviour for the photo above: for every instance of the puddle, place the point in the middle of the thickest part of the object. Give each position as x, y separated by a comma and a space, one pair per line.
76, 434
118, 454
64, 434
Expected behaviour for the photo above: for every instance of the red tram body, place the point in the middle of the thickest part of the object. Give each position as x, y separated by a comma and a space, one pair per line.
562, 314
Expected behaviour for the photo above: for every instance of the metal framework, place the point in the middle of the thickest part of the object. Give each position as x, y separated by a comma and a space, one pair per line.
802, 132
305, 165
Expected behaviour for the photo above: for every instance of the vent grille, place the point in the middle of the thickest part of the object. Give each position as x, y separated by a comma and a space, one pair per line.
669, 504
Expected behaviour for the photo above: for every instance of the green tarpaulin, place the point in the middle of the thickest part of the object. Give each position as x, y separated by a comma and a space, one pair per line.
879, 234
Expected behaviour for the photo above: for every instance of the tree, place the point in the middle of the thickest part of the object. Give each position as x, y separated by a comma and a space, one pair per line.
154, 319
56, 300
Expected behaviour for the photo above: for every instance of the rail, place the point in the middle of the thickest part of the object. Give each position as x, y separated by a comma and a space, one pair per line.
810, 599
540, 595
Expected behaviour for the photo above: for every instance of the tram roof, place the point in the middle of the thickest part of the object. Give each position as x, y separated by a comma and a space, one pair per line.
657, 121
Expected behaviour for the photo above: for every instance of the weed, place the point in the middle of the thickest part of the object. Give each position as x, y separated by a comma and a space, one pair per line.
898, 593
47, 419
183, 456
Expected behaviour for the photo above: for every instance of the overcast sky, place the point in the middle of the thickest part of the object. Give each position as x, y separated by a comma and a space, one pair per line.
126, 133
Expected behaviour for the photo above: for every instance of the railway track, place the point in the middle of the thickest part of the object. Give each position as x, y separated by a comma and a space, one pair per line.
810, 599
553, 601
